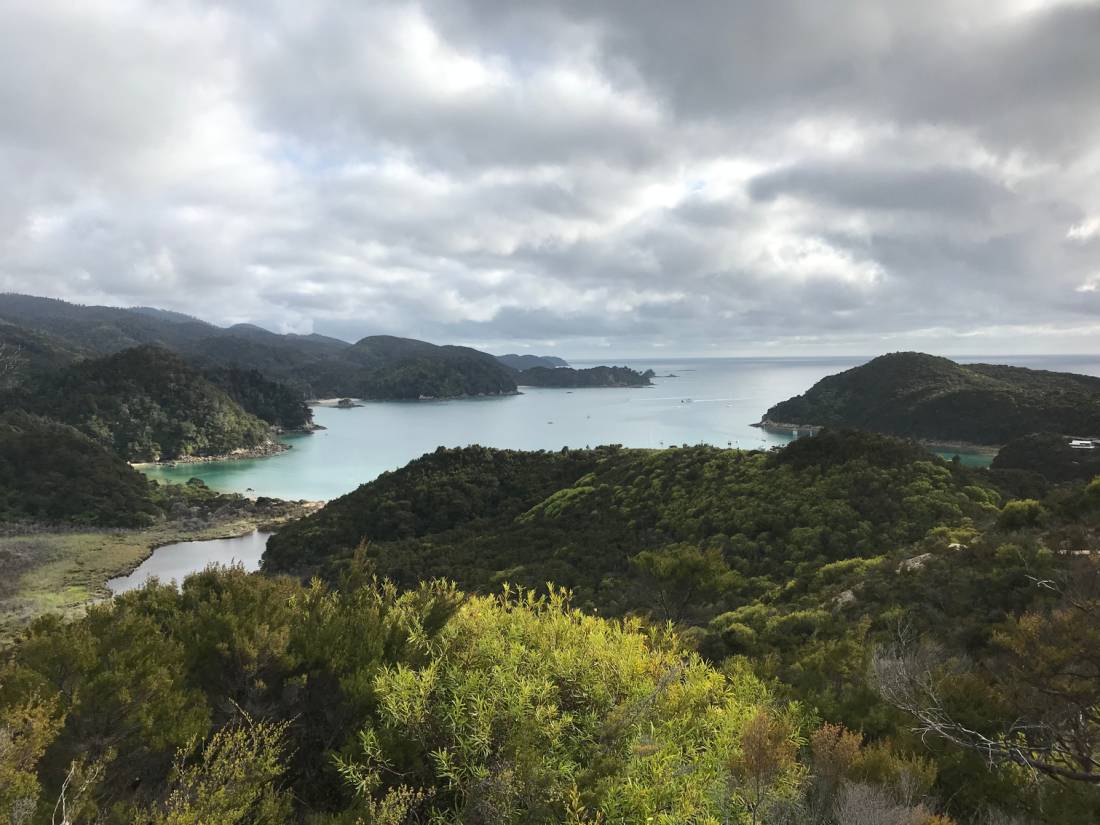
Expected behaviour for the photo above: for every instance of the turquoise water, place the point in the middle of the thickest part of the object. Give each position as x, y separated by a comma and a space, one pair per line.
711, 400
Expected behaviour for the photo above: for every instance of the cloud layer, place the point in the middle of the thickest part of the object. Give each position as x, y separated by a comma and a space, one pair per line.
724, 177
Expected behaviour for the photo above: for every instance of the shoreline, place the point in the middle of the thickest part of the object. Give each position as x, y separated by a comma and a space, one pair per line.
68, 566
934, 445
262, 451
270, 523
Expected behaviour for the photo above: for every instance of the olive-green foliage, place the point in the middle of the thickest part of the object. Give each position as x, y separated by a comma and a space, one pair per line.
26, 730
921, 396
50, 472
146, 404
434, 377
797, 563
251, 699
529, 710
232, 780
1021, 513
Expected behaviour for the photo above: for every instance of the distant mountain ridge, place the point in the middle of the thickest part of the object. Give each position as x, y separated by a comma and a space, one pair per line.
526, 362
379, 367
914, 395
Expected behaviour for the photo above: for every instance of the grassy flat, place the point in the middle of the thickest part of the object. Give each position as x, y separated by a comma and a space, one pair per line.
65, 570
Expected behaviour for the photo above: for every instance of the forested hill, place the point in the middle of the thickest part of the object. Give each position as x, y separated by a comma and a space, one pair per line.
278, 404
51, 473
802, 564
913, 395
526, 361
1049, 455
147, 404
562, 377
794, 612
386, 366
27, 354
581, 518
314, 365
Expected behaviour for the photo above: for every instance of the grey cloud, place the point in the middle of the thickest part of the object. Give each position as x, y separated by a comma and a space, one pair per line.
857, 185
624, 175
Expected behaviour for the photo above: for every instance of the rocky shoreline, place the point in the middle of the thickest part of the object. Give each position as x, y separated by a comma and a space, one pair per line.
268, 448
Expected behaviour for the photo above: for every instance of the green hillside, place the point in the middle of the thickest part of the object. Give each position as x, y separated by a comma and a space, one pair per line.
278, 404
28, 354
1049, 455
921, 396
50, 472
146, 404
799, 564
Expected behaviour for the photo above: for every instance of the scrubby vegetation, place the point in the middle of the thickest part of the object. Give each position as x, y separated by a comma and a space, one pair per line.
245, 699
913, 395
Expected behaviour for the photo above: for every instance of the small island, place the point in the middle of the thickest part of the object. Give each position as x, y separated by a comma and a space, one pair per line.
567, 377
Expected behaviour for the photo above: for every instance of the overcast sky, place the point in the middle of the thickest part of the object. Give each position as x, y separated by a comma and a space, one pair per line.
588, 177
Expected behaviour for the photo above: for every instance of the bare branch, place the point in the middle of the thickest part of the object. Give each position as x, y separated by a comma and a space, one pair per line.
910, 678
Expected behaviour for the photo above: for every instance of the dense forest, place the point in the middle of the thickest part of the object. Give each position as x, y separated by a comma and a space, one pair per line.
399, 368
50, 472
145, 404
278, 404
799, 564
1051, 455
921, 396
591, 377
380, 367
849, 630
245, 699
53, 476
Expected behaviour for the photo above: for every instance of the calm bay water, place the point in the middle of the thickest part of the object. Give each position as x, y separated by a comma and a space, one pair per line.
711, 400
